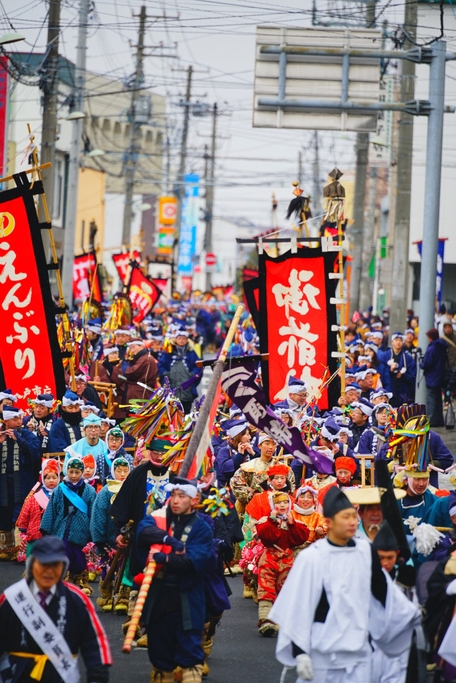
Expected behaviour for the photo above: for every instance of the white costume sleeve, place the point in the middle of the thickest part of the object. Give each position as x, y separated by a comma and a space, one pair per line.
296, 603
447, 648
391, 627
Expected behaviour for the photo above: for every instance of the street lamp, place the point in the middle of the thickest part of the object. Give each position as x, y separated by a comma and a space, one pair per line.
12, 37
75, 116
96, 153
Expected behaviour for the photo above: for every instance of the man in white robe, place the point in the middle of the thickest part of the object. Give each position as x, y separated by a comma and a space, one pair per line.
334, 598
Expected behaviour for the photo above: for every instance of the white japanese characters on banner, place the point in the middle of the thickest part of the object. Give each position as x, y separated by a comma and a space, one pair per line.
297, 326
26, 357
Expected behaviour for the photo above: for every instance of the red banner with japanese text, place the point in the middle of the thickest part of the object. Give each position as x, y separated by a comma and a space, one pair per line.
295, 318
142, 292
30, 357
122, 261
86, 278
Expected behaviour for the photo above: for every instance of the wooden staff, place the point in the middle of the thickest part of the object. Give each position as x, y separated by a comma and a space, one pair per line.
136, 616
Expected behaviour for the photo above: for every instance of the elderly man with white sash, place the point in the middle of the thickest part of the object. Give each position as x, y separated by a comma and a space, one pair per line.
45, 623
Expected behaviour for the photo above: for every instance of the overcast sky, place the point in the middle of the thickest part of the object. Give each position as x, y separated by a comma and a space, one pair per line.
218, 38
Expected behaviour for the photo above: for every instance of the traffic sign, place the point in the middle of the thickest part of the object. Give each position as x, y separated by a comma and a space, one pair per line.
211, 260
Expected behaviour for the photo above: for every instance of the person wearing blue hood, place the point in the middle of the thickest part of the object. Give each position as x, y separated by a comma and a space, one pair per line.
433, 365
67, 428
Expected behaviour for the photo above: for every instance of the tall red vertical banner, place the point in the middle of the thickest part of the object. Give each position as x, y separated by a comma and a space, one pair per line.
295, 321
86, 278
122, 263
30, 357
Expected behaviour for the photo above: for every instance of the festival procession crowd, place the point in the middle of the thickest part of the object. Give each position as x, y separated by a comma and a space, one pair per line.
347, 554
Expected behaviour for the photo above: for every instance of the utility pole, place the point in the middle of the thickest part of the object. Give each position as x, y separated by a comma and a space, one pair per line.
300, 168
316, 199
210, 195
75, 153
357, 233
400, 220
135, 125
365, 295
431, 215
49, 85
180, 181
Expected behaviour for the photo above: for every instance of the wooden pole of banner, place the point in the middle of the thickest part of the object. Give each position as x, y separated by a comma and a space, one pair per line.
7, 178
36, 170
334, 193
340, 238
204, 412
93, 284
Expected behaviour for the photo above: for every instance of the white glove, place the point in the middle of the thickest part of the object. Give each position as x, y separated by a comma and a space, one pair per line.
304, 667
451, 588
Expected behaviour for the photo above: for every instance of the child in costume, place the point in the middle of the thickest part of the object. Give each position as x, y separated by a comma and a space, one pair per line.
104, 532
115, 440
345, 468
68, 517
280, 533
35, 504
305, 511
90, 472
260, 506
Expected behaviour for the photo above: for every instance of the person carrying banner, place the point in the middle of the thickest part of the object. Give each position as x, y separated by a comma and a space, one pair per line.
66, 430
45, 623
175, 610
135, 377
20, 461
68, 517
29, 520
43, 418
334, 600
296, 400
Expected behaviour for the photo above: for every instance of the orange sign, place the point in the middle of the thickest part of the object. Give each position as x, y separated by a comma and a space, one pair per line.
167, 210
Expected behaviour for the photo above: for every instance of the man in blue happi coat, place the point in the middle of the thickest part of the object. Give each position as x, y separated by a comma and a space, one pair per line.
175, 609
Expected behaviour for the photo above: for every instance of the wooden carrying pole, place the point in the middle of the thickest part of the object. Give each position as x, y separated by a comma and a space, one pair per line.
136, 616
204, 412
